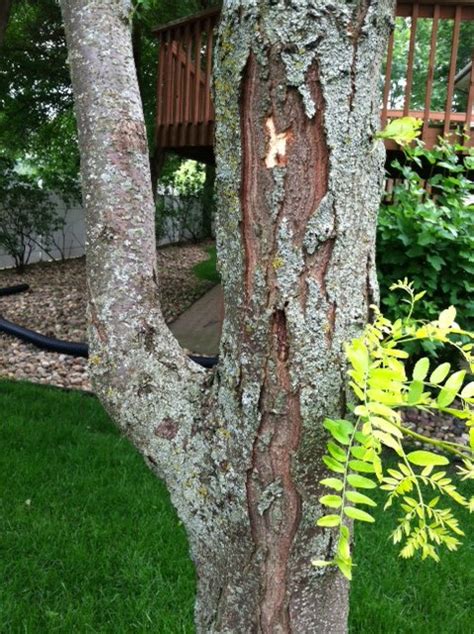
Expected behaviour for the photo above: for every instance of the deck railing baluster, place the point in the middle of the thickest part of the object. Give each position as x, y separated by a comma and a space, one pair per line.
185, 112
411, 54
177, 115
169, 82
160, 86
197, 71
452, 69
470, 98
187, 81
207, 89
430, 75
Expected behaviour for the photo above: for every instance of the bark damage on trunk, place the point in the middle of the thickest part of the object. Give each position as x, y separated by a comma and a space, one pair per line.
299, 178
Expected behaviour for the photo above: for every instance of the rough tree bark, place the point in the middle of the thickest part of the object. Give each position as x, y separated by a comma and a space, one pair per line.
299, 177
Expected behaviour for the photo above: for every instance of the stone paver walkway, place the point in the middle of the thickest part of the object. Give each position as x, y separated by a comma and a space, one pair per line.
198, 329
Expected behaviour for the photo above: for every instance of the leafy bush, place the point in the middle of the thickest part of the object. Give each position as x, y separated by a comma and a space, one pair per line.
186, 213
426, 231
27, 216
178, 219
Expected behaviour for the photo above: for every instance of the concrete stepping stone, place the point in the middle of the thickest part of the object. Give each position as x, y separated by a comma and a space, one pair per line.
198, 329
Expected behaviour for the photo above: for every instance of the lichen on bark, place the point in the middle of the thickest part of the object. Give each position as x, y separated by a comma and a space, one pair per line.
299, 176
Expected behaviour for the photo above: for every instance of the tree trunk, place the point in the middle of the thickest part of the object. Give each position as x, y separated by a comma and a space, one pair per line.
157, 160
5, 7
299, 178
208, 201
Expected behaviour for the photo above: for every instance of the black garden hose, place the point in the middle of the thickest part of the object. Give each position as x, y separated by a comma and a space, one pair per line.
74, 349
43, 342
13, 290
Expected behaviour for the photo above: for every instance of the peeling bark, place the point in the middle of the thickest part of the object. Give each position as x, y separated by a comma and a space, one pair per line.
299, 178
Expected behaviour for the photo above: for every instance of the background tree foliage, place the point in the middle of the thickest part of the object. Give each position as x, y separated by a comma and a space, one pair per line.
28, 216
37, 123
421, 59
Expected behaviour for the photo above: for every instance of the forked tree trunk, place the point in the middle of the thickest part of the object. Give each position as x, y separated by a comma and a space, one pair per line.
299, 178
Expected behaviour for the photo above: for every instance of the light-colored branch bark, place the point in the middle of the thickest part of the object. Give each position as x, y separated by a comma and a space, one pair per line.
138, 368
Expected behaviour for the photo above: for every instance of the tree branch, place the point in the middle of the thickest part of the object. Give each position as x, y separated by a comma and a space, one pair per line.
138, 368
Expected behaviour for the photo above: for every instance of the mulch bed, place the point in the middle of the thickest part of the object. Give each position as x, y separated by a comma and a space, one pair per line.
55, 306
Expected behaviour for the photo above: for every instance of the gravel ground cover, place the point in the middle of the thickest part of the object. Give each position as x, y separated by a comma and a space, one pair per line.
55, 306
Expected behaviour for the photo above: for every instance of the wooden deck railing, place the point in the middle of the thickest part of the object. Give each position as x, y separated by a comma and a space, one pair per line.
435, 122
185, 115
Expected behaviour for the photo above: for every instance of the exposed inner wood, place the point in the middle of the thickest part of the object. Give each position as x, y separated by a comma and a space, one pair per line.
276, 191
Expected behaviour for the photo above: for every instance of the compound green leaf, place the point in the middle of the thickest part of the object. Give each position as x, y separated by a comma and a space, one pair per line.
358, 514
334, 501
468, 390
360, 465
336, 451
426, 458
402, 131
359, 452
386, 426
344, 566
358, 355
333, 464
333, 483
446, 397
329, 521
414, 392
420, 371
337, 431
440, 373
360, 482
455, 380
359, 498
381, 410
398, 354
321, 563
447, 317
388, 440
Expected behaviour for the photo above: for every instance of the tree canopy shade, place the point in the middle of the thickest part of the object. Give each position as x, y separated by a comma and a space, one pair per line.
36, 119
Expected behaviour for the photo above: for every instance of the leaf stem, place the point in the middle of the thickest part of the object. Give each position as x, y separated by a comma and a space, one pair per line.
449, 446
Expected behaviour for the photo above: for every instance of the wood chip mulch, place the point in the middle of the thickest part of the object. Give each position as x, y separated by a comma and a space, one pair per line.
55, 306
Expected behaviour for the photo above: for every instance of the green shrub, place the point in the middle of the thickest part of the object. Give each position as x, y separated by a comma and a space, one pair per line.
426, 232
28, 217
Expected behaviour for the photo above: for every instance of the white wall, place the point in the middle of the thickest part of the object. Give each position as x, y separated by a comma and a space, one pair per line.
71, 239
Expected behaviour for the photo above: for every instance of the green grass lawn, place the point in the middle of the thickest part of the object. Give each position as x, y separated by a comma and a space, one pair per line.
89, 541
207, 269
